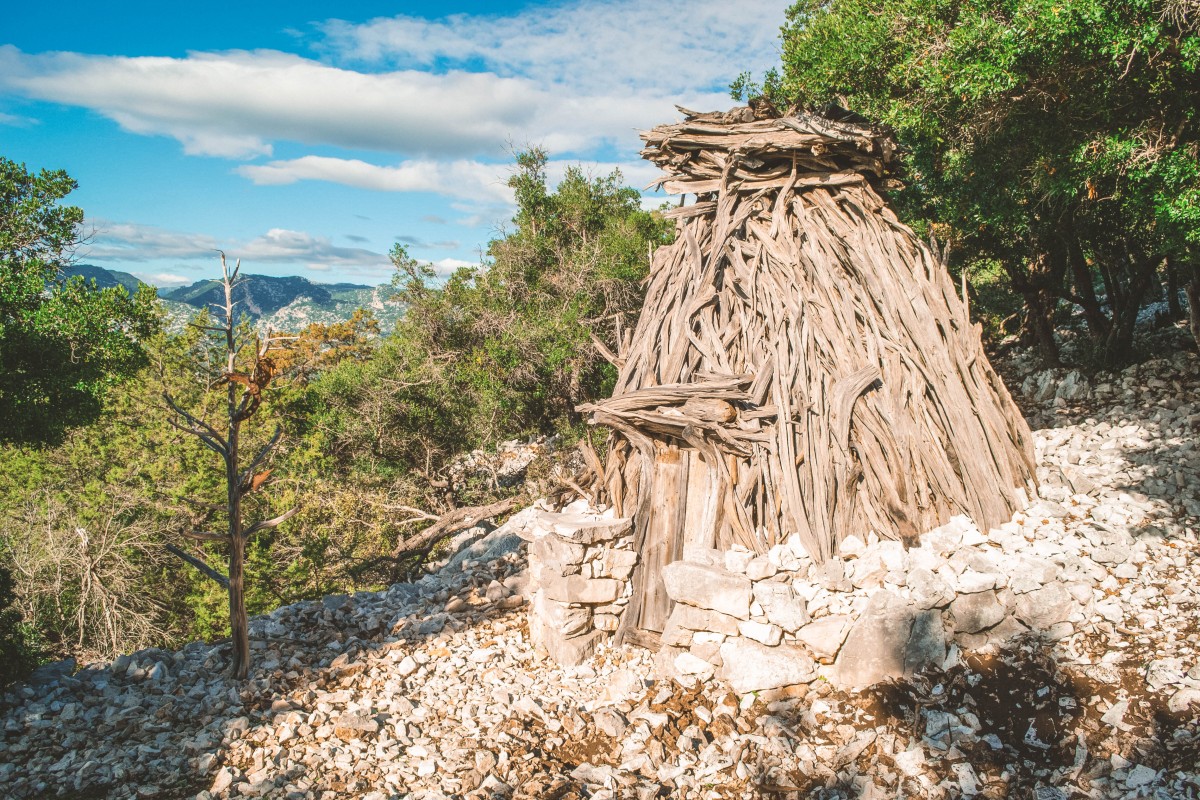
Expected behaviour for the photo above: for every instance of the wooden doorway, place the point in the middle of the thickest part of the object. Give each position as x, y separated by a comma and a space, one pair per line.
682, 519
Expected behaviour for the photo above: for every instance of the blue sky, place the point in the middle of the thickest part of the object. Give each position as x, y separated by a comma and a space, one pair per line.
308, 137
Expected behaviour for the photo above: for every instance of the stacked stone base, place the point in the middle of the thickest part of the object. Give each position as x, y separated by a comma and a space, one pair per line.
878, 611
580, 562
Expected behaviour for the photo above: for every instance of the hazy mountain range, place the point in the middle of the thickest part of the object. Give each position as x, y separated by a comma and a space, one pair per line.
289, 303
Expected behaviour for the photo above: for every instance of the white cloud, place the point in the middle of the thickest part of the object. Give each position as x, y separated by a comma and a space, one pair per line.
568, 77
126, 241
462, 179
234, 105
445, 266
279, 245
15, 121
132, 242
159, 279
596, 48
475, 181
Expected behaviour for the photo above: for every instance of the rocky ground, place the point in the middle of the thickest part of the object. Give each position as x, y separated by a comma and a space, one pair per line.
431, 690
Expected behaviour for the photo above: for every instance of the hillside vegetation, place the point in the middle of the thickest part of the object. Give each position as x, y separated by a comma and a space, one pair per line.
372, 424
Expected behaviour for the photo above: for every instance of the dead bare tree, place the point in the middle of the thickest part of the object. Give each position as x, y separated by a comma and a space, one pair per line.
244, 394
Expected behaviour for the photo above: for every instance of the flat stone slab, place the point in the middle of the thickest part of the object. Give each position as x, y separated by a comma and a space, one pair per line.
888, 643
753, 667
577, 589
579, 527
708, 587
699, 619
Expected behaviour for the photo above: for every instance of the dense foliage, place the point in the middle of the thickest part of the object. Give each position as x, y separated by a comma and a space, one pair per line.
371, 426
62, 342
506, 348
1054, 139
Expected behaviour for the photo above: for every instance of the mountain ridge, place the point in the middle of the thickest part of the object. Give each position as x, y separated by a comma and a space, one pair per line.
280, 302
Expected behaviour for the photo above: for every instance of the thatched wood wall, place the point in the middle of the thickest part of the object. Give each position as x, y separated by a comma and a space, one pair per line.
806, 351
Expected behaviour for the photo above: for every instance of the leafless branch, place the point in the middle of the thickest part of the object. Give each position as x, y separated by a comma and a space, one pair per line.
218, 442
200, 565
270, 523
262, 454
206, 536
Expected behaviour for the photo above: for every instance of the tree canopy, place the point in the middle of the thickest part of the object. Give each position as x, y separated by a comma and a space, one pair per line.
1056, 138
62, 341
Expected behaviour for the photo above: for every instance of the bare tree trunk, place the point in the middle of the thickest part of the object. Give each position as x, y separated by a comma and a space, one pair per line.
1039, 326
1174, 309
1193, 297
243, 396
239, 626
1081, 275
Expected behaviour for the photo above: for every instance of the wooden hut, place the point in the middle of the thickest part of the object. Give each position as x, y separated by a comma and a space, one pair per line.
803, 365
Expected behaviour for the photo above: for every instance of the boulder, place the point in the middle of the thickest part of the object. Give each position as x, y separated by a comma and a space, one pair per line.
781, 605
889, 641
764, 632
975, 612
752, 667
824, 636
708, 587
1042, 608
553, 551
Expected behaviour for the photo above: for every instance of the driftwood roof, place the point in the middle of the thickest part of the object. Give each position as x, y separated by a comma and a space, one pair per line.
808, 346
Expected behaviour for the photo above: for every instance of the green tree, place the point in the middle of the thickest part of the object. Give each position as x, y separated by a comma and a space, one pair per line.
62, 342
1056, 138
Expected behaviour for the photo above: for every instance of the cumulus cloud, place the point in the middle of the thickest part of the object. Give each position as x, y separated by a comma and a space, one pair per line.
446, 266
568, 77
474, 181
235, 104
129, 241
279, 245
462, 179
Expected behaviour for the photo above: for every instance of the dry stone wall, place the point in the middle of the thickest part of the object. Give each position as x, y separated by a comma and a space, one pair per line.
881, 611
875, 612
580, 562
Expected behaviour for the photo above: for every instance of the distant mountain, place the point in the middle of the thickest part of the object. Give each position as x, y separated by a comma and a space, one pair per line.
289, 303
104, 278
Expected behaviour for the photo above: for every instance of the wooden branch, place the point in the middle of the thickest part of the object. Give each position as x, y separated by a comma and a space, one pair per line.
200, 565
204, 438
807, 347
270, 523
262, 454
207, 536
221, 446
453, 522
607, 354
